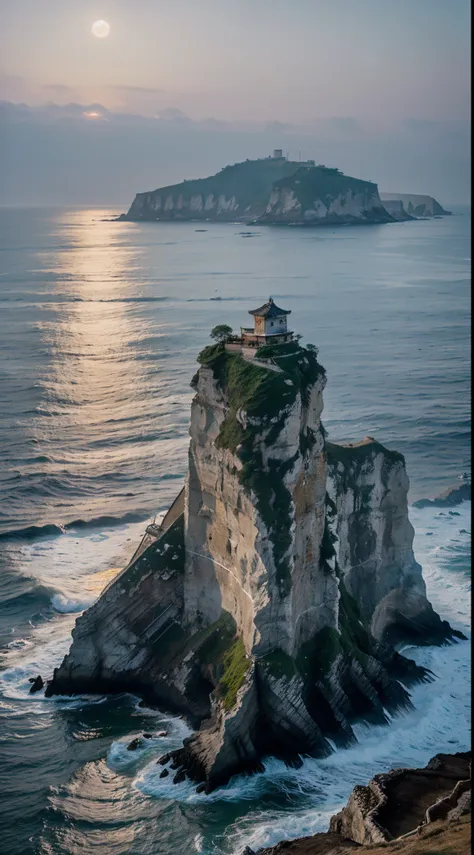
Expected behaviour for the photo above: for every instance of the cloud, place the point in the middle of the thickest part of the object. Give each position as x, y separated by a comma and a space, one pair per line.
13, 87
172, 114
135, 90
58, 154
429, 127
344, 124
59, 88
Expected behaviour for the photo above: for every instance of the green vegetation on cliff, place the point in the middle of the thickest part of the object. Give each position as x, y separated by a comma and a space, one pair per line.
220, 649
315, 657
262, 398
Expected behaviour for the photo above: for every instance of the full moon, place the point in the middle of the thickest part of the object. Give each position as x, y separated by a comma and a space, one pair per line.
101, 29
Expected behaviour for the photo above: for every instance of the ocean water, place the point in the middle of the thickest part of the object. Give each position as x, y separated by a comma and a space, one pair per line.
100, 325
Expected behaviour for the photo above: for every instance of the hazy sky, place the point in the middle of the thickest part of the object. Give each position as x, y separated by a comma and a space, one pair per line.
209, 75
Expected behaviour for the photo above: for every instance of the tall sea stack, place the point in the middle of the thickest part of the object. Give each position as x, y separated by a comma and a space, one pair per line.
266, 612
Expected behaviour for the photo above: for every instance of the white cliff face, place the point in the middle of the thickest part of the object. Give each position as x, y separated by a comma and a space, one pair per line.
179, 205
415, 205
230, 562
368, 486
349, 205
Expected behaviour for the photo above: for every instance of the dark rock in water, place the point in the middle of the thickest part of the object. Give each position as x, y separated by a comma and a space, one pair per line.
134, 744
164, 759
164, 773
248, 851
147, 736
454, 513
201, 788
453, 496
179, 777
36, 684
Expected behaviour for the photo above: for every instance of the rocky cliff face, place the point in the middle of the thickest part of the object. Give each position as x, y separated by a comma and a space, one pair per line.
368, 489
265, 613
318, 195
413, 204
399, 807
271, 189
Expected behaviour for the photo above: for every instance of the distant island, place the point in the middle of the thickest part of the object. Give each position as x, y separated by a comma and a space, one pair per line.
411, 205
277, 191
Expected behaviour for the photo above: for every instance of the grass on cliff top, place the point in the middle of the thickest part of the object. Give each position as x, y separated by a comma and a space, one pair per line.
265, 395
353, 455
353, 458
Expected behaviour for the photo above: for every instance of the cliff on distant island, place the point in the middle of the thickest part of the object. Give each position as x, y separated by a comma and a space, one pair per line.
405, 811
408, 205
315, 195
269, 190
267, 611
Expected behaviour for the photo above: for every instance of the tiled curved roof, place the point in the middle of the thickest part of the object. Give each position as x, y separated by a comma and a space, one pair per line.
269, 310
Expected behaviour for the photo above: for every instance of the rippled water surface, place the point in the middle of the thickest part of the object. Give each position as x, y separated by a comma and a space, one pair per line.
100, 324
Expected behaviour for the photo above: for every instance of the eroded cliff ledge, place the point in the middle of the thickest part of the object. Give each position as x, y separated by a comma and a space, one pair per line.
266, 612
416, 811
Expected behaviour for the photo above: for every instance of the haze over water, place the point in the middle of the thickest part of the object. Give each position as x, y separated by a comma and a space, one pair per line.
100, 326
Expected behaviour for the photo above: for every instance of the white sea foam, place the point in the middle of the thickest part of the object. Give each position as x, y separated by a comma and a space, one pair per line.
76, 568
439, 721
68, 605
120, 758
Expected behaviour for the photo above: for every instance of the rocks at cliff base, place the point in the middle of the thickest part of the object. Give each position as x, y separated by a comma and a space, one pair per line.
134, 744
448, 499
36, 684
393, 806
267, 612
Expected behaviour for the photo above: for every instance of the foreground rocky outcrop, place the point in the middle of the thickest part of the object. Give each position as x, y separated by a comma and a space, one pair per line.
269, 190
267, 611
402, 807
403, 205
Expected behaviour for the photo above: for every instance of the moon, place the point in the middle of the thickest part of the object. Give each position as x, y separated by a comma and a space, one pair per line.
101, 29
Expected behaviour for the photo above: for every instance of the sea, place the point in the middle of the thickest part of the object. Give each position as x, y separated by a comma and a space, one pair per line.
100, 326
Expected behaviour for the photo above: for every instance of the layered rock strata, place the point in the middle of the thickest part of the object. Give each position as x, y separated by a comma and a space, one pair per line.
265, 613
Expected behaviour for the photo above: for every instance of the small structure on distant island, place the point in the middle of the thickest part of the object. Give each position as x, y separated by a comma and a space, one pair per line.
270, 326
